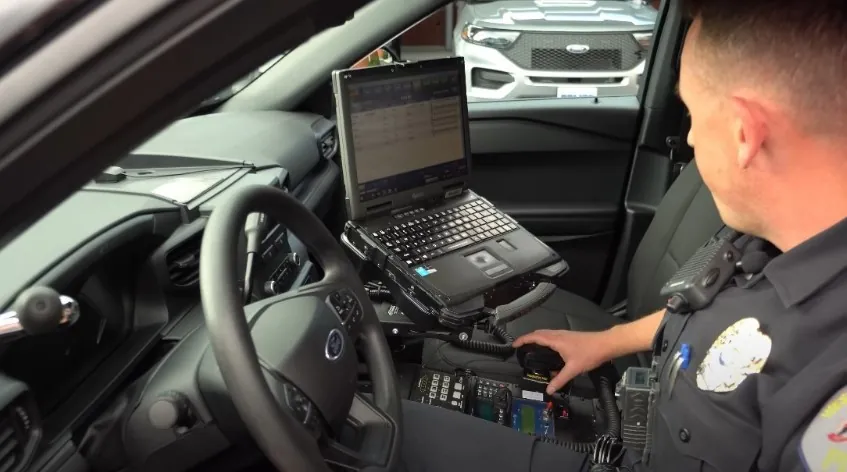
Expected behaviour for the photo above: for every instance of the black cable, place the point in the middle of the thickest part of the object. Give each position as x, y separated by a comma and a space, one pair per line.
610, 407
580, 447
500, 333
378, 292
504, 348
603, 468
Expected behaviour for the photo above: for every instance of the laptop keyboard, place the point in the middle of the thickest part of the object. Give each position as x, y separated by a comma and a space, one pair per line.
436, 234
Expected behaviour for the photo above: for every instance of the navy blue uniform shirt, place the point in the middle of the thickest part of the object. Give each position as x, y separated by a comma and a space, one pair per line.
799, 301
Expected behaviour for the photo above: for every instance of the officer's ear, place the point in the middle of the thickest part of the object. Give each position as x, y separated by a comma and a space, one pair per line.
749, 130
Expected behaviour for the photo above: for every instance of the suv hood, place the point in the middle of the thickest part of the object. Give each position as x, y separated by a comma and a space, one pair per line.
559, 15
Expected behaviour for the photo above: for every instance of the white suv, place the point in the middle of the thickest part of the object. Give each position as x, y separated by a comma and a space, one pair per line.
517, 49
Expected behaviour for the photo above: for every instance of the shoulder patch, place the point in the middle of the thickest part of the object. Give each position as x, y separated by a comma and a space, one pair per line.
824, 443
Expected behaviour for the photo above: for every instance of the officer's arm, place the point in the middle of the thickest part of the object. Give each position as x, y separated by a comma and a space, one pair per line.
636, 336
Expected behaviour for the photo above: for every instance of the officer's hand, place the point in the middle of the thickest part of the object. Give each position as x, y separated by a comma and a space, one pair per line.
582, 352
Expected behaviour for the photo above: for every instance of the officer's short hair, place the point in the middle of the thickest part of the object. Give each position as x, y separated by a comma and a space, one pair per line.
799, 47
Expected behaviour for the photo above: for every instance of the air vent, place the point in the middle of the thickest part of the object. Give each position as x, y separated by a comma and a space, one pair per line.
15, 433
184, 264
328, 144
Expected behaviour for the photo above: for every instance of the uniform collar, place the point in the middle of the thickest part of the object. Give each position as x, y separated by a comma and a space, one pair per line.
802, 271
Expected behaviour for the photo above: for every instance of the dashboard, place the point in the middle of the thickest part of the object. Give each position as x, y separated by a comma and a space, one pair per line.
127, 249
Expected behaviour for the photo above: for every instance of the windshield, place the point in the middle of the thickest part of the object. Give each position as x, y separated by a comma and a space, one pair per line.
238, 86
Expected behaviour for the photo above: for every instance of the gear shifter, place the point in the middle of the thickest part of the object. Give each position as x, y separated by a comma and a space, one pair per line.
542, 359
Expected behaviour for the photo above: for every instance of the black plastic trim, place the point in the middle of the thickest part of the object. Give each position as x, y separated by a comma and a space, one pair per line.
182, 235
649, 176
15, 394
607, 118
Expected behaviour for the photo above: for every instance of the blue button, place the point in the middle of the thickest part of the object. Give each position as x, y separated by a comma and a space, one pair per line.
422, 271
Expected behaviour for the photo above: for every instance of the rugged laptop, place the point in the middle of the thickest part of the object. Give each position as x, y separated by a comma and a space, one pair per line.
404, 140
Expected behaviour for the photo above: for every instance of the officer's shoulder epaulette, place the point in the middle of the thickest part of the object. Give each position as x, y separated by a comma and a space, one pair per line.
824, 443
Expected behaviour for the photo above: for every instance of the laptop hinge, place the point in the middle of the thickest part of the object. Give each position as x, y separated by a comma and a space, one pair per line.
402, 209
378, 210
454, 191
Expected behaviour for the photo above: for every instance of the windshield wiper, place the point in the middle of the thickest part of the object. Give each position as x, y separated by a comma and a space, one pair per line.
115, 174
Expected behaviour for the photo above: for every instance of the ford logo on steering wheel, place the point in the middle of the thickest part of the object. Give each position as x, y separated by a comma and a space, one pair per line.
334, 345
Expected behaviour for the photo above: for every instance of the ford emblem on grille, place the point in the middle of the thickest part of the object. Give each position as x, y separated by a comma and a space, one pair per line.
577, 48
334, 345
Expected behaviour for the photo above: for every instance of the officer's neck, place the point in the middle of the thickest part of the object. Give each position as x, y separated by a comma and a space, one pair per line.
810, 195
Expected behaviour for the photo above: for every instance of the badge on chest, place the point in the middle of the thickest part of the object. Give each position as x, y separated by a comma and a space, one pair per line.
740, 351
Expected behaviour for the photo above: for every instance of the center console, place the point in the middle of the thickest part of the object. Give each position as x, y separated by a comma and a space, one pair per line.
562, 418
574, 417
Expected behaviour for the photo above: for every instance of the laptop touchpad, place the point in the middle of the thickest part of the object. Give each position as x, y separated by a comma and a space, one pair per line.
486, 262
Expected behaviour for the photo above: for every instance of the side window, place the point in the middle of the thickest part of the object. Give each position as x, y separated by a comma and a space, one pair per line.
525, 49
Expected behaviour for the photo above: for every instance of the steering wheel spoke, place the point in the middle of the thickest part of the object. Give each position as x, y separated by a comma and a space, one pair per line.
343, 302
368, 442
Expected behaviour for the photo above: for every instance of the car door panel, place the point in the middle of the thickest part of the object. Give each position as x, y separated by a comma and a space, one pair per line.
560, 169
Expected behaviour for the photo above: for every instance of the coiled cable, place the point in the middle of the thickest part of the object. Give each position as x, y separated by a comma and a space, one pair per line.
503, 348
580, 447
378, 292
500, 333
472, 344
607, 450
610, 406
603, 468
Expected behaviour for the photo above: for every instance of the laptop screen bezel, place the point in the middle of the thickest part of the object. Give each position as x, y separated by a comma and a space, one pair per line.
341, 79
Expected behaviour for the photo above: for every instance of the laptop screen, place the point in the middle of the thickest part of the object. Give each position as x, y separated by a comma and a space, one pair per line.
407, 129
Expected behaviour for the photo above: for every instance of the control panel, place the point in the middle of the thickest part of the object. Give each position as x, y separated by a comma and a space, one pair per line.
283, 275
303, 409
278, 266
493, 400
533, 417
499, 402
346, 306
441, 389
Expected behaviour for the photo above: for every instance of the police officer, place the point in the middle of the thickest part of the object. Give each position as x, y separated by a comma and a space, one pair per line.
758, 379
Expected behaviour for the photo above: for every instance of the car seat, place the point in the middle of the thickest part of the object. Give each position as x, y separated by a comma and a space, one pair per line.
684, 220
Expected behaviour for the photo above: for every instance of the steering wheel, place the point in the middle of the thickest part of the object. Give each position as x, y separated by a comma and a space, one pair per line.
289, 361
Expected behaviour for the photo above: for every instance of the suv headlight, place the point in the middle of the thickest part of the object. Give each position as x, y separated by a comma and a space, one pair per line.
493, 38
644, 39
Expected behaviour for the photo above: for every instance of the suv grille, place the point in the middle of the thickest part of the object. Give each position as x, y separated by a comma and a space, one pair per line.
548, 51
